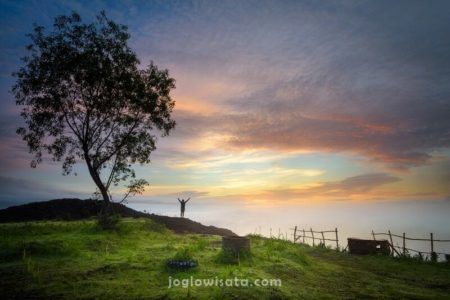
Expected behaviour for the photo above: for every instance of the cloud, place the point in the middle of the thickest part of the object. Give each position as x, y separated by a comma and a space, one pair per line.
333, 77
400, 144
182, 194
347, 189
361, 77
394, 145
358, 184
170, 197
361, 184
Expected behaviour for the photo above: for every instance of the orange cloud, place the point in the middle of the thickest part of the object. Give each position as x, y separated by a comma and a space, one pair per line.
362, 187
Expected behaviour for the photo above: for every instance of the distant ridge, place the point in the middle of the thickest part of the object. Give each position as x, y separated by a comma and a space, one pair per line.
76, 209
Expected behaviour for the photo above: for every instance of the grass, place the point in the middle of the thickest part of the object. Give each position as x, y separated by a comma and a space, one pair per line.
77, 260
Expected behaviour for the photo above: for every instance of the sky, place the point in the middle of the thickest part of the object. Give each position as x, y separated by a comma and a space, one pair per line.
278, 104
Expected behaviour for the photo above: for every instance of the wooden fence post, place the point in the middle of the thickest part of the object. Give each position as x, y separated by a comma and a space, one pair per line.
373, 234
337, 240
312, 233
433, 254
295, 233
431, 239
303, 235
404, 245
270, 232
323, 239
392, 243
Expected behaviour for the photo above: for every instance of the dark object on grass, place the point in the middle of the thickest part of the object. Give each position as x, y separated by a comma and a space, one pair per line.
447, 258
182, 264
359, 246
236, 244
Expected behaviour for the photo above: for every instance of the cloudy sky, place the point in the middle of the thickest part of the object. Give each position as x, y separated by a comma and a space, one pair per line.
277, 102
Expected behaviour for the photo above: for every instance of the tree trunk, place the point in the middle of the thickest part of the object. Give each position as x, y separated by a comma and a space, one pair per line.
98, 181
96, 177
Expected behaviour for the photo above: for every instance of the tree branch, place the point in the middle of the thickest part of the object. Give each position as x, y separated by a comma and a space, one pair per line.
111, 175
119, 147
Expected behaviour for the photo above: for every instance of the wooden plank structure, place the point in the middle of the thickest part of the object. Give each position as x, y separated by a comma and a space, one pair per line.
360, 246
236, 244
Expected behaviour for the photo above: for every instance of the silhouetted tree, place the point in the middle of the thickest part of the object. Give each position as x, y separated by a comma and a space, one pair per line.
84, 98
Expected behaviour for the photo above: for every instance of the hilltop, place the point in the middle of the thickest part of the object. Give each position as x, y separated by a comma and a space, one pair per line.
76, 209
77, 260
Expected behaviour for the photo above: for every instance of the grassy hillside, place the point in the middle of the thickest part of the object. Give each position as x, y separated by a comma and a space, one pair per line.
77, 260
76, 209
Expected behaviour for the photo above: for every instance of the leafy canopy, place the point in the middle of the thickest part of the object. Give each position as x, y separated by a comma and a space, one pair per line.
84, 98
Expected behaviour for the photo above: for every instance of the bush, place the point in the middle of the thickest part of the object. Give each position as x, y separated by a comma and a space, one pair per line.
108, 220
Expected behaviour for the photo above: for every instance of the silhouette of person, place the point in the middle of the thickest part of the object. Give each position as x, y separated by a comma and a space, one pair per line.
183, 205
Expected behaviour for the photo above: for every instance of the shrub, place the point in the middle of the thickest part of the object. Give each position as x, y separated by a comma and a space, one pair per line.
108, 220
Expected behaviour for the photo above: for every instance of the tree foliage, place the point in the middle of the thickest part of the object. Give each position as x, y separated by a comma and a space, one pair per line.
84, 97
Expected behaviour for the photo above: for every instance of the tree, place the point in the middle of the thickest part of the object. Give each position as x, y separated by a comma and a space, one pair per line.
84, 98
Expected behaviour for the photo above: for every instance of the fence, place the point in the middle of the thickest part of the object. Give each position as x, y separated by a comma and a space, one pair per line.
302, 235
320, 236
405, 249
272, 235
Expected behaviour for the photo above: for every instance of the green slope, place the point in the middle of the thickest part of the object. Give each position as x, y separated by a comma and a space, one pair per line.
76, 260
